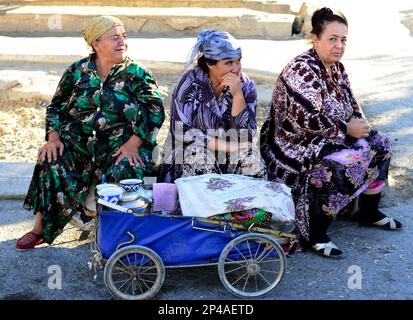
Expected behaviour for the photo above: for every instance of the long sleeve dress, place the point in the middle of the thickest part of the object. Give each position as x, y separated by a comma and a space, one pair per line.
197, 116
93, 118
304, 143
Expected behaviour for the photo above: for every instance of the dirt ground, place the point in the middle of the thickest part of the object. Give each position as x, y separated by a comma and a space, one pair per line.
23, 103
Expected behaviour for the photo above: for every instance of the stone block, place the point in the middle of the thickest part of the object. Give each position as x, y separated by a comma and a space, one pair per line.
147, 22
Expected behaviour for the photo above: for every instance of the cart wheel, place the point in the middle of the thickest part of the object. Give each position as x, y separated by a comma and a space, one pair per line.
134, 273
251, 265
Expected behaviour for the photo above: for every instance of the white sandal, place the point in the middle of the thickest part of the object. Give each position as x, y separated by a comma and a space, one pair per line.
328, 249
386, 223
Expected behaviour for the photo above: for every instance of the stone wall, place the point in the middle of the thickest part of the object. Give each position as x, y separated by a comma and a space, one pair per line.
36, 19
267, 6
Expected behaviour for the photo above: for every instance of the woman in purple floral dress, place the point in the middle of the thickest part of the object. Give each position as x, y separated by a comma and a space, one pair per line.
317, 140
213, 114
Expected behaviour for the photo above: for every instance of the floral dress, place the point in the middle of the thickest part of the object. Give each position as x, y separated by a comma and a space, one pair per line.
197, 115
93, 118
304, 142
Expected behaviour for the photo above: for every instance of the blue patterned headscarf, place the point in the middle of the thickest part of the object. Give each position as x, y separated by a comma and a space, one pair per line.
214, 45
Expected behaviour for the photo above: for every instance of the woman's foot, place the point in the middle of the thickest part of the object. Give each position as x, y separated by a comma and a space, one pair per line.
328, 250
374, 187
380, 220
29, 241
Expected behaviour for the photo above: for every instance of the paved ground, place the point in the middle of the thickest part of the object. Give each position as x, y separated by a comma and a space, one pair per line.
384, 259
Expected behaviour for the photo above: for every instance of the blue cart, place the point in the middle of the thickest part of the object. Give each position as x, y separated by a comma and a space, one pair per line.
135, 249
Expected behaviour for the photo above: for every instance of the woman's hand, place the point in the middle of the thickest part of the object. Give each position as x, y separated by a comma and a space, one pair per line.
235, 147
233, 82
358, 128
51, 147
130, 150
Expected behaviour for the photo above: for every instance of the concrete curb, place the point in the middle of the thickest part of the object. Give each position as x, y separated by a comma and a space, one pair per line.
15, 179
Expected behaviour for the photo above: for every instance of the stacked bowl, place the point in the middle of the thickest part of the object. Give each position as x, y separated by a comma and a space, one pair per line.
126, 196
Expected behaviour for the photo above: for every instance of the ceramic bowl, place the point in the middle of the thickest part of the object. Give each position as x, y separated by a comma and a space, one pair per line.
131, 185
105, 185
110, 194
129, 196
138, 206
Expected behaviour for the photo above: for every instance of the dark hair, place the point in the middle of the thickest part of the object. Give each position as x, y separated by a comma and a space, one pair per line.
202, 63
323, 16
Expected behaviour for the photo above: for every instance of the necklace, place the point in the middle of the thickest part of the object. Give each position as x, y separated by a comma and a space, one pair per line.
220, 98
214, 87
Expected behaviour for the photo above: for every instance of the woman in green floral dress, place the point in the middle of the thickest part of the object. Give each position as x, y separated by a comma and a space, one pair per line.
103, 119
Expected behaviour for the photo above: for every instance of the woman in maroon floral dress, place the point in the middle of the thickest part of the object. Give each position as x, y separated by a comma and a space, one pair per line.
317, 140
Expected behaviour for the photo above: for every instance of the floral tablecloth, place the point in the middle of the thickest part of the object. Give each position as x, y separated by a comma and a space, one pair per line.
211, 194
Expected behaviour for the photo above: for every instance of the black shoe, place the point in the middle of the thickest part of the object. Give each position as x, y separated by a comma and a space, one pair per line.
85, 218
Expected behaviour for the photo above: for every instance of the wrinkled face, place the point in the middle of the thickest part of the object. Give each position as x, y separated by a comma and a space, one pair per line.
112, 45
332, 42
222, 67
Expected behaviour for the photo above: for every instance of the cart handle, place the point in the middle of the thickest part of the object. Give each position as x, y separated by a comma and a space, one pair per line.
126, 242
206, 229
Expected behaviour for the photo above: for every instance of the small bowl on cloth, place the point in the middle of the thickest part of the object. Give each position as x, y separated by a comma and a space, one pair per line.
131, 185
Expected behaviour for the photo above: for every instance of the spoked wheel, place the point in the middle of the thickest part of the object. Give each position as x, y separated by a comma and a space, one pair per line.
134, 273
251, 265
